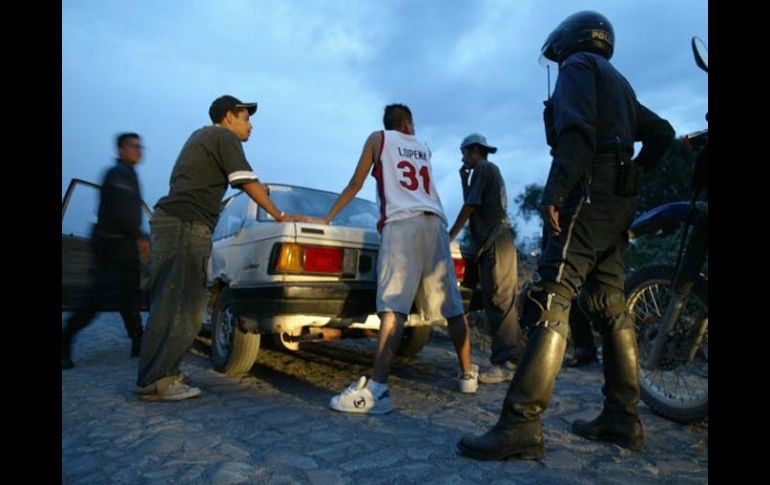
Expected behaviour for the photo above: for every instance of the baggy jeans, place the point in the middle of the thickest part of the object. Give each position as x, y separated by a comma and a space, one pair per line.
499, 279
178, 295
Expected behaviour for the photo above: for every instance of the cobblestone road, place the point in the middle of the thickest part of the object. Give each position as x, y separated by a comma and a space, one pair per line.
273, 425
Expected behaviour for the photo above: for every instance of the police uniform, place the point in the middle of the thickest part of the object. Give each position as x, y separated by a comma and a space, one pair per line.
591, 126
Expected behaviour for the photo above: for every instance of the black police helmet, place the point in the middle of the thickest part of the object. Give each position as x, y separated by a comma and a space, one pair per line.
582, 31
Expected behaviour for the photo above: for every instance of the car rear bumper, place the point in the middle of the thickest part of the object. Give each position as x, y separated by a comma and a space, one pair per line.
339, 299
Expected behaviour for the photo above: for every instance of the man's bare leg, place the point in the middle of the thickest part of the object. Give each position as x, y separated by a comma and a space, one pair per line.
391, 329
460, 334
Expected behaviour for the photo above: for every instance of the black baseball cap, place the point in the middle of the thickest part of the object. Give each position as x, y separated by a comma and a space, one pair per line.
223, 104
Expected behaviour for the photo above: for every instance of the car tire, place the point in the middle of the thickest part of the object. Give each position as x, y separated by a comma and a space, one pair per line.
233, 351
413, 340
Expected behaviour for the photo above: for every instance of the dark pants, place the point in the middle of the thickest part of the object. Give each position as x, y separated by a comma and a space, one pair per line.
499, 279
115, 285
587, 256
180, 252
590, 248
580, 328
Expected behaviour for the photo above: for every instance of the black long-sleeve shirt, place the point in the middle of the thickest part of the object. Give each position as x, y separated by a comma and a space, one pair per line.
120, 204
594, 107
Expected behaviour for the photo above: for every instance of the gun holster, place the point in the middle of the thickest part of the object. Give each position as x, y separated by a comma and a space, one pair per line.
629, 178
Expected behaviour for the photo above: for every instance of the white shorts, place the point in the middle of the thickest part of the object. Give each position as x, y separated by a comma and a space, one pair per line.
414, 265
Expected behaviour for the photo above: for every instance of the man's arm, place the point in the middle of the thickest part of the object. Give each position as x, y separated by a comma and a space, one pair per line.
368, 156
258, 193
462, 218
574, 115
574, 122
143, 245
474, 196
550, 215
656, 135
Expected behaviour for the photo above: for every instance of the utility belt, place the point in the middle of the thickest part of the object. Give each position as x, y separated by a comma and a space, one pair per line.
625, 174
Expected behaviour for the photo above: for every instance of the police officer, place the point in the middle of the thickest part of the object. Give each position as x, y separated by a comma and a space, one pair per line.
117, 242
588, 203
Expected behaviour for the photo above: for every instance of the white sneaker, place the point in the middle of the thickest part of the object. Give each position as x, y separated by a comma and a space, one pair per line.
469, 383
497, 373
358, 399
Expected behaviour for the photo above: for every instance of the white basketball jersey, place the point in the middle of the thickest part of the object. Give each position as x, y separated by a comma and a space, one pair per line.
404, 179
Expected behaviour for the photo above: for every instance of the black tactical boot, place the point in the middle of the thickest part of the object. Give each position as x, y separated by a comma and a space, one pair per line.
66, 361
618, 422
508, 438
519, 431
613, 426
136, 341
67, 336
136, 346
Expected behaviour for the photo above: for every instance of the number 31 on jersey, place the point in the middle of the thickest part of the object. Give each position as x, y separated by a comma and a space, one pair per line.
409, 176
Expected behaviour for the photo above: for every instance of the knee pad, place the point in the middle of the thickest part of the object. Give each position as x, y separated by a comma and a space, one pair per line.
607, 308
542, 306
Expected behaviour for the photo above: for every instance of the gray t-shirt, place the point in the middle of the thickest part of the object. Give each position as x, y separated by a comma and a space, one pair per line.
211, 159
486, 192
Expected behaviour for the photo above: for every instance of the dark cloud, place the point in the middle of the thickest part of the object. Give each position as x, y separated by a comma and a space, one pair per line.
323, 71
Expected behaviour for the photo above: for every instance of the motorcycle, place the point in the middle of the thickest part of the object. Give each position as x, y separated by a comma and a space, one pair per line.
669, 302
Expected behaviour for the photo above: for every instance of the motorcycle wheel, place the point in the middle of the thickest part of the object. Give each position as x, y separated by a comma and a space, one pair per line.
678, 388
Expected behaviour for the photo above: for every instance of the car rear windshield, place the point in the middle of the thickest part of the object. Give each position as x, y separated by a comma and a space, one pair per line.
311, 202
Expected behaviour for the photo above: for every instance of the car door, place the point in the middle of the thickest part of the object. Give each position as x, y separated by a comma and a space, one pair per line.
79, 212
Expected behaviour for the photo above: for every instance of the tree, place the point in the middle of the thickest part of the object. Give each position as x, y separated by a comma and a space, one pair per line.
529, 201
669, 181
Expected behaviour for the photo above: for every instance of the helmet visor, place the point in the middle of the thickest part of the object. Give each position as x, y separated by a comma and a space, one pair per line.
547, 63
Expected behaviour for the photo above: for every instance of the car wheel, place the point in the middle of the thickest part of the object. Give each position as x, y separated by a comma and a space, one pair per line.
233, 351
413, 340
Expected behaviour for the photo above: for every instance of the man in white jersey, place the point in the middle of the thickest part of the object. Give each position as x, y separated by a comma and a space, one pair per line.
414, 264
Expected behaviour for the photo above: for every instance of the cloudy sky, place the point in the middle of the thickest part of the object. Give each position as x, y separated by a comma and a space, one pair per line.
322, 71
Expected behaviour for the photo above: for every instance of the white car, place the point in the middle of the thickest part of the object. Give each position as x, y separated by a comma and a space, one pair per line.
297, 281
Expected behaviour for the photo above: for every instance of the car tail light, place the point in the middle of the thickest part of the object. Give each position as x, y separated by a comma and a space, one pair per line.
323, 260
459, 269
289, 258
296, 258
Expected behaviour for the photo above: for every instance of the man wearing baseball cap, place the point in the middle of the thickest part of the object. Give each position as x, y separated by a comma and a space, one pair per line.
181, 227
220, 106
486, 205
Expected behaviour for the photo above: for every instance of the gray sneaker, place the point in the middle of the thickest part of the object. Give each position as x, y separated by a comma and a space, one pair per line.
150, 388
175, 390
497, 373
